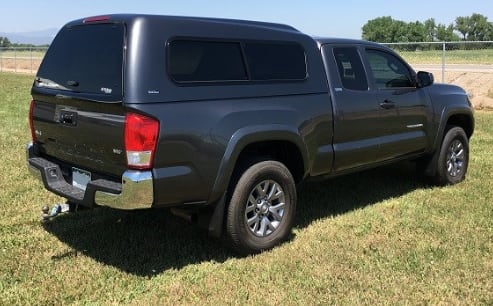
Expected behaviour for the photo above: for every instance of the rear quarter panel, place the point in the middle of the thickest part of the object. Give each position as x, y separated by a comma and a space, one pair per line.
200, 141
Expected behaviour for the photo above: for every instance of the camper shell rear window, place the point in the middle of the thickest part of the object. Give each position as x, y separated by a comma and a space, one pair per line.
86, 59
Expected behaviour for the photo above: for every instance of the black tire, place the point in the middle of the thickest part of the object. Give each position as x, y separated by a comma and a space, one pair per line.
262, 207
453, 158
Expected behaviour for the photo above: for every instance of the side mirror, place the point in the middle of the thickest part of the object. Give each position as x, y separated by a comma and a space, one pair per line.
424, 79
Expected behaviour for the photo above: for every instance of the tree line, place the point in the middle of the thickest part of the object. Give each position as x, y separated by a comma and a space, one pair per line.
5, 43
388, 30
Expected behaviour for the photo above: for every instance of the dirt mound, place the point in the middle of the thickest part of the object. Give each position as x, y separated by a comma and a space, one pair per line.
478, 85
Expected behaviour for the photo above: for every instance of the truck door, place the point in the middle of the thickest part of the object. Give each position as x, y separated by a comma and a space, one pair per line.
404, 108
357, 124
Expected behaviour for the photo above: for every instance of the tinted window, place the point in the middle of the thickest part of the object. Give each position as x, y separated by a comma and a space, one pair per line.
203, 61
85, 58
206, 61
350, 68
269, 61
388, 71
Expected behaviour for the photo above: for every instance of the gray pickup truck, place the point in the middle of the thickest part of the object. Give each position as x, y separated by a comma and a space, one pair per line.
221, 119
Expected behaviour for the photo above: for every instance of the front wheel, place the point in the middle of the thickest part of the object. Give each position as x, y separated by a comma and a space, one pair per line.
453, 159
262, 207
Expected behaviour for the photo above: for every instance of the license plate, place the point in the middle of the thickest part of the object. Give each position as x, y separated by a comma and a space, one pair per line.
80, 178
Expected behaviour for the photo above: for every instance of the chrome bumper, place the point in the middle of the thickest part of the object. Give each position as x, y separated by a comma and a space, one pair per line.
136, 190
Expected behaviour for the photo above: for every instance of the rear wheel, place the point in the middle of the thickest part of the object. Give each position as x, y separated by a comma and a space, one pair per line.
262, 207
453, 158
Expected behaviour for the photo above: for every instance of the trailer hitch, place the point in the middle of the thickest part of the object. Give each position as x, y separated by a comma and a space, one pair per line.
57, 209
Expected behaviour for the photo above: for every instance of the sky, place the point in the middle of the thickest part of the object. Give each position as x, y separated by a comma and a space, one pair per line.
341, 18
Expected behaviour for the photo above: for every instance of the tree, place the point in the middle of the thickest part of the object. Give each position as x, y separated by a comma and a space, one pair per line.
388, 30
431, 29
446, 33
416, 32
378, 29
474, 28
5, 42
399, 31
462, 25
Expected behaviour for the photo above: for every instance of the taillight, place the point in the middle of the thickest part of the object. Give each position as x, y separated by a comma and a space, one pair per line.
141, 134
31, 123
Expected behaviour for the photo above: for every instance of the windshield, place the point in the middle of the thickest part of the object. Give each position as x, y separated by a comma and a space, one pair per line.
86, 59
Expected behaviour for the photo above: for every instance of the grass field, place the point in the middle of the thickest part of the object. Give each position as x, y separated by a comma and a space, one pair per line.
27, 61
35, 53
378, 237
479, 56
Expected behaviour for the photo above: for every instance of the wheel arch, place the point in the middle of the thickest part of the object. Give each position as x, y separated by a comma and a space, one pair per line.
465, 121
279, 142
282, 143
453, 116
459, 117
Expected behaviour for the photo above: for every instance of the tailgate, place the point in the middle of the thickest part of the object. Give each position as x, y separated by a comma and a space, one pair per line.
83, 134
77, 112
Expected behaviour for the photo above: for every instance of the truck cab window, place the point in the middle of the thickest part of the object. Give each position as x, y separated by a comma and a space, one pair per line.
388, 71
350, 68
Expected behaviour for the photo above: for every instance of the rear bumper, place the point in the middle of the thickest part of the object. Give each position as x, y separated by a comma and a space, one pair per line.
134, 192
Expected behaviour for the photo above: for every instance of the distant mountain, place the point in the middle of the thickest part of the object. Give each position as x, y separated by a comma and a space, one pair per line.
43, 37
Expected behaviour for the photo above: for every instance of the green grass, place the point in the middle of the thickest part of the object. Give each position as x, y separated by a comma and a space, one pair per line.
480, 56
378, 237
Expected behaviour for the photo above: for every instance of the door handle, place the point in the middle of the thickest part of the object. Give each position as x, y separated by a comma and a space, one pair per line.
387, 104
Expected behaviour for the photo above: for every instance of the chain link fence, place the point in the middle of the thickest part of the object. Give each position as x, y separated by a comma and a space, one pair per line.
443, 57
436, 57
21, 59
